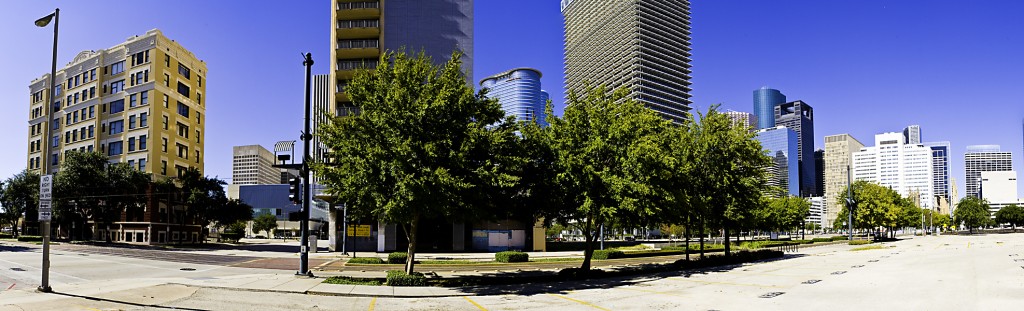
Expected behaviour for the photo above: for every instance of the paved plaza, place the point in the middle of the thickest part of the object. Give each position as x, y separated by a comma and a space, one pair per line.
984, 272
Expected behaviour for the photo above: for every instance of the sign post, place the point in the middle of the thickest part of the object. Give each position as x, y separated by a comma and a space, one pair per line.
45, 214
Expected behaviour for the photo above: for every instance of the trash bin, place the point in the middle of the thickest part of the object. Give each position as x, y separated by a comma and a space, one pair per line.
312, 243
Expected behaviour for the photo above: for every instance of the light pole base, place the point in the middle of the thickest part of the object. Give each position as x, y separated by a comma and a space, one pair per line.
42, 289
308, 274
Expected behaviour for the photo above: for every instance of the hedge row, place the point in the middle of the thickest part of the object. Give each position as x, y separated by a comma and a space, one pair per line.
859, 242
366, 260
397, 257
30, 238
399, 278
511, 256
735, 258
6, 236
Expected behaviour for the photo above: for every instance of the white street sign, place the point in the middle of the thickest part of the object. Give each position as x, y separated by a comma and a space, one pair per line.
45, 212
45, 187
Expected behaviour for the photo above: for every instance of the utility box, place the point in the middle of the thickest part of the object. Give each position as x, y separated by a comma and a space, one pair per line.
312, 243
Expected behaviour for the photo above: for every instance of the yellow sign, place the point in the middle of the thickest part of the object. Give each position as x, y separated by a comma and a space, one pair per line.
359, 230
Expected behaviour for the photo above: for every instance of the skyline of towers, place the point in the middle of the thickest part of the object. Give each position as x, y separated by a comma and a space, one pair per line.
905, 168
519, 92
765, 100
781, 144
653, 65
799, 117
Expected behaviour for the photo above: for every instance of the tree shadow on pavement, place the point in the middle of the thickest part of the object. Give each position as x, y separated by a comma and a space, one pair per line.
14, 248
126, 302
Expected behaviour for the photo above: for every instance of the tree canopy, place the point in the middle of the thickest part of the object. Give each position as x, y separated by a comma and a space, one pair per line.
1011, 214
971, 212
20, 196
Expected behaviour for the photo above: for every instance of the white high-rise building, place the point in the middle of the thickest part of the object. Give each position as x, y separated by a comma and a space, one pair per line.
983, 158
817, 212
906, 168
742, 118
253, 165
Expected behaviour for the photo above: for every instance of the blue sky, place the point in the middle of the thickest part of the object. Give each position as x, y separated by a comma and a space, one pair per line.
866, 66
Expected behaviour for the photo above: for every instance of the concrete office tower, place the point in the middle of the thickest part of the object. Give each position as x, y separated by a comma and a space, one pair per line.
999, 189
765, 100
140, 102
362, 30
912, 134
781, 145
519, 93
819, 173
743, 118
641, 45
839, 151
253, 165
799, 116
940, 170
320, 98
906, 168
983, 158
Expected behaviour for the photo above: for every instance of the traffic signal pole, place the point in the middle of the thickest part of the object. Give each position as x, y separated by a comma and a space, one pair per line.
307, 195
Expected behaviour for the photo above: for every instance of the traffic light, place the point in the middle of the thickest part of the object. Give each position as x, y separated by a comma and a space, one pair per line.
295, 190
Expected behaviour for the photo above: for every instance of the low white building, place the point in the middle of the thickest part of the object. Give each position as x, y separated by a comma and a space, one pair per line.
906, 168
999, 188
817, 212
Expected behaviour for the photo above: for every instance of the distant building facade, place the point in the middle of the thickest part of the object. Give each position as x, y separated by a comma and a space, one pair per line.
816, 215
765, 100
819, 172
983, 158
905, 168
253, 165
519, 93
799, 117
743, 118
999, 188
781, 145
940, 170
912, 134
839, 151
608, 43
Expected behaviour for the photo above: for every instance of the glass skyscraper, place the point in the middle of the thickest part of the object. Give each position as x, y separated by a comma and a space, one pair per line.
799, 116
940, 169
519, 93
781, 145
765, 100
640, 45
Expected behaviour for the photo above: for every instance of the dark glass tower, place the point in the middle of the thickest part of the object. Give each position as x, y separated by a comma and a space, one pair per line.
799, 117
765, 100
819, 173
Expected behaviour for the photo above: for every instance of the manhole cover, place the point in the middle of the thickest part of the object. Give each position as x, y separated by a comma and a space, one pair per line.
873, 260
1018, 260
811, 281
838, 272
1013, 255
83, 254
187, 269
17, 269
772, 295
857, 266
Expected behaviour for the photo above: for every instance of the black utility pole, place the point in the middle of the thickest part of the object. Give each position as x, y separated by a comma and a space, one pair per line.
44, 221
307, 195
850, 202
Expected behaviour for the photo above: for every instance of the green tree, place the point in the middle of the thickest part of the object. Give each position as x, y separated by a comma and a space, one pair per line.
730, 176
1010, 214
264, 222
877, 207
423, 146
20, 196
205, 202
608, 155
89, 187
783, 213
971, 212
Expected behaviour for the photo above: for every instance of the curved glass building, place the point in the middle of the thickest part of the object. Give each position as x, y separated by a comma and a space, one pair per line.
519, 93
765, 100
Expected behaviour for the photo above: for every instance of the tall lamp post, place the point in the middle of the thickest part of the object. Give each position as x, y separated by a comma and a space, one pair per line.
307, 195
44, 224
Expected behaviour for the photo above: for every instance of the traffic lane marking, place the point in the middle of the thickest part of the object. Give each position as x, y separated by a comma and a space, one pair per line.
680, 279
477, 305
580, 302
372, 303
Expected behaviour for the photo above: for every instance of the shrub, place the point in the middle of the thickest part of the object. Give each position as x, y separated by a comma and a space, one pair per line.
231, 236
840, 238
821, 240
397, 257
399, 278
6, 236
735, 258
859, 242
366, 260
607, 254
511, 256
30, 238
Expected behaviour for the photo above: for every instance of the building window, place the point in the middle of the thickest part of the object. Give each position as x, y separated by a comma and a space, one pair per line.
116, 127
117, 68
115, 148
359, 44
116, 86
56, 123
91, 128
92, 92
92, 112
131, 144
199, 117
142, 162
165, 122
167, 61
184, 71
143, 119
200, 79
163, 170
131, 100
358, 5
116, 106
164, 146
144, 98
359, 23
183, 109
165, 100
167, 80
197, 137
142, 142
140, 58
182, 151
357, 63
131, 122
183, 89
182, 130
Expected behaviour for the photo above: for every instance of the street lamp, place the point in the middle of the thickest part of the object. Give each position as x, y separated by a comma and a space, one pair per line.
44, 285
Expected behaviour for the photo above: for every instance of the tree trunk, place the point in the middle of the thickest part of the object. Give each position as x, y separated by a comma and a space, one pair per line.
725, 229
702, 229
588, 247
410, 262
686, 235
